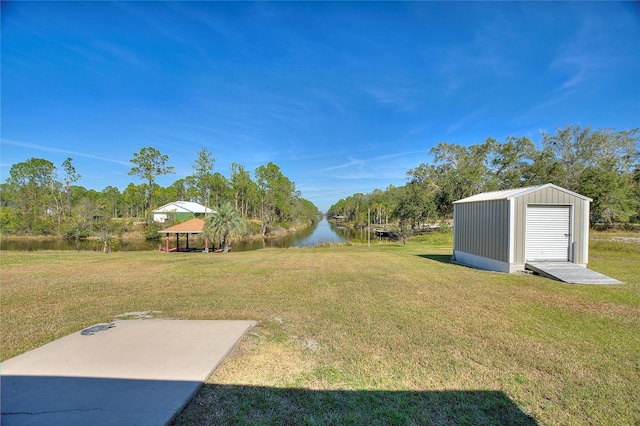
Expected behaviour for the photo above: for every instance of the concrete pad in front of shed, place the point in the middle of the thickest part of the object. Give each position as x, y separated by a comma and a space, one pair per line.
136, 372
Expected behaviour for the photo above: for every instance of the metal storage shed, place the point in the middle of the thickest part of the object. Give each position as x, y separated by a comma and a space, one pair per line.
502, 230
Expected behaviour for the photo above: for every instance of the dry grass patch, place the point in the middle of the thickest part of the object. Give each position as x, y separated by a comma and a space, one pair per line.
390, 334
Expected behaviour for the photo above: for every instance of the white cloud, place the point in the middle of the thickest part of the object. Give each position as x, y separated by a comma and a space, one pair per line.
63, 151
350, 163
473, 115
402, 99
119, 53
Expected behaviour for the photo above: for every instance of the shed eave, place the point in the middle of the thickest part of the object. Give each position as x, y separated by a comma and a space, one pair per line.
548, 185
510, 194
501, 195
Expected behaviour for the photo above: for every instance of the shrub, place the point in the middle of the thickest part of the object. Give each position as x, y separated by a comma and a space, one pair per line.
152, 228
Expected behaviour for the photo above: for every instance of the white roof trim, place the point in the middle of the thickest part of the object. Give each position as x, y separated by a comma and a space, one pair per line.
189, 206
508, 194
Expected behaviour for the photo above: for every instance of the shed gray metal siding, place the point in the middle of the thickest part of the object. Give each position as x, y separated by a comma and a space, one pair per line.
482, 229
551, 196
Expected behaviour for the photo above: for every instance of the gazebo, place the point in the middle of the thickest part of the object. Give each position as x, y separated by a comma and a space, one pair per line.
192, 226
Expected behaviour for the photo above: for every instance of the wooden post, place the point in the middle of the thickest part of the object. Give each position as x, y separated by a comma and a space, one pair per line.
166, 243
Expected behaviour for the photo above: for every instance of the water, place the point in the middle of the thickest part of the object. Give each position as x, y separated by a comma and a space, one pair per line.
320, 233
323, 233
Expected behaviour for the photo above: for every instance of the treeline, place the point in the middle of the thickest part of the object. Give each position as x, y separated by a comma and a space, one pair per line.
602, 164
39, 198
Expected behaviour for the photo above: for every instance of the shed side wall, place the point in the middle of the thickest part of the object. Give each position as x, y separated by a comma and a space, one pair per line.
482, 229
552, 196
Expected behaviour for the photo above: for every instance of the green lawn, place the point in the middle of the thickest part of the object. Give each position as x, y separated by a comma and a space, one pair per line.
389, 334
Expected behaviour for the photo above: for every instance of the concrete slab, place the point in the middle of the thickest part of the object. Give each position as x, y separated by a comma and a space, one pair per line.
136, 372
570, 273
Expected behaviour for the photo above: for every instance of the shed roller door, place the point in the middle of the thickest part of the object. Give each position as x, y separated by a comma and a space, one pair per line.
548, 233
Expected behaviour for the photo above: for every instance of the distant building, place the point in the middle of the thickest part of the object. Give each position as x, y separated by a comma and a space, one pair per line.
179, 210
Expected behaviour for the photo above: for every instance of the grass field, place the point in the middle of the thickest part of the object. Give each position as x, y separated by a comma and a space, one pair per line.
389, 334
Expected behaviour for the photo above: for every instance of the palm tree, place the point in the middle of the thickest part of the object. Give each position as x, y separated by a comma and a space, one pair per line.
224, 224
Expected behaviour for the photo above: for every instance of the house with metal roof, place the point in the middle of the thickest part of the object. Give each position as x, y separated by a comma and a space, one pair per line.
503, 230
179, 210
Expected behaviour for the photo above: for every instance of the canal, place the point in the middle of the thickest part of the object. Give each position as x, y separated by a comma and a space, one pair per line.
323, 232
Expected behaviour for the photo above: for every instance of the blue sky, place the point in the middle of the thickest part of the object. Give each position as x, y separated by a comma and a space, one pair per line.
344, 97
